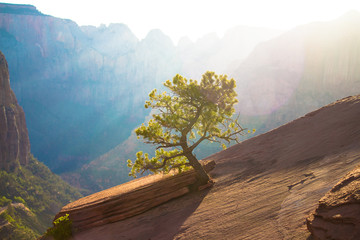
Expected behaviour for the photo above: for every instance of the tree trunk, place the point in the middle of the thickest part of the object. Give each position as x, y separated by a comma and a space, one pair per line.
202, 176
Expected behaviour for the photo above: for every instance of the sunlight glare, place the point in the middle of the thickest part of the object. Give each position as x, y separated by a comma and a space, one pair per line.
194, 18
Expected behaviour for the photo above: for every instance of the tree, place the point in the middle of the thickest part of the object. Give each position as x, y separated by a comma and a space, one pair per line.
189, 114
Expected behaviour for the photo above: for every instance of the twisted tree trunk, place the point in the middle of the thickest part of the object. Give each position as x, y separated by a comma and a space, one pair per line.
201, 175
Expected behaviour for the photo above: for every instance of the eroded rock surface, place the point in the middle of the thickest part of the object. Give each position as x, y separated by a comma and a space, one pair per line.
14, 139
129, 199
338, 213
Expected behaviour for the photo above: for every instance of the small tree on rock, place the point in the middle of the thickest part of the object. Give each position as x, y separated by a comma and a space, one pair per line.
189, 114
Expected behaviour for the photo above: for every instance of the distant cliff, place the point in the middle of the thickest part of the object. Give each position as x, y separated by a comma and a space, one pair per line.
14, 139
19, 9
222, 55
82, 88
299, 71
30, 194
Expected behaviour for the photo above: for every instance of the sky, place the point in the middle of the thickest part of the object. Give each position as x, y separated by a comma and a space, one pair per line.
194, 18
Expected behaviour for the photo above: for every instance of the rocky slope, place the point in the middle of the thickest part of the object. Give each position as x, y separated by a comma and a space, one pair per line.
265, 186
14, 139
338, 213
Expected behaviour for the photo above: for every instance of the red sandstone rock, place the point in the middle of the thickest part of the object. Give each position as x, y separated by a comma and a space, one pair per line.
338, 213
265, 186
14, 139
129, 199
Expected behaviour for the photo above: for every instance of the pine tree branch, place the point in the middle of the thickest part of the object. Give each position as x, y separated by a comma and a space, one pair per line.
164, 161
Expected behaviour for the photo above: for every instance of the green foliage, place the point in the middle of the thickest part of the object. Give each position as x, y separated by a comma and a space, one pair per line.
62, 228
7, 217
19, 222
19, 200
37, 195
4, 201
190, 113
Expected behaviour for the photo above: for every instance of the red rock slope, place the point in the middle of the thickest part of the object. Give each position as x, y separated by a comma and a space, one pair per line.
130, 199
338, 213
265, 186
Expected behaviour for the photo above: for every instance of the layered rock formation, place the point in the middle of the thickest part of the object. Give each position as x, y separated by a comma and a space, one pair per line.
14, 139
129, 199
338, 215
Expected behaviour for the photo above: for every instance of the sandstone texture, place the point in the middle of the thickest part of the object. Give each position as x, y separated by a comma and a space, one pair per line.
14, 139
129, 199
338, 213
265, 187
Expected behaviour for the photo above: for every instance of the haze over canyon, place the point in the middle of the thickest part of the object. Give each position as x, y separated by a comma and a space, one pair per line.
83, 88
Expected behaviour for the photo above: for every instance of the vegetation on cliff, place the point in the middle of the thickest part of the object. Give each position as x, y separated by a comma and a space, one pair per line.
29, 199
62, 229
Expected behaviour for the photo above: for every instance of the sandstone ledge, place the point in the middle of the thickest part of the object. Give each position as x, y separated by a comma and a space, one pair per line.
129, 199
338, 213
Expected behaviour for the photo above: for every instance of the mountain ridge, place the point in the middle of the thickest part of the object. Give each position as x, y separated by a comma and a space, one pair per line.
23, 9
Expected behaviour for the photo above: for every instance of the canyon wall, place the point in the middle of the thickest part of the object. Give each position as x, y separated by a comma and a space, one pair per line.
14, 139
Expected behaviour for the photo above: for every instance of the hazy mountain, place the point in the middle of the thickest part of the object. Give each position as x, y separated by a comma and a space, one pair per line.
299, 71
82, 89
220, 54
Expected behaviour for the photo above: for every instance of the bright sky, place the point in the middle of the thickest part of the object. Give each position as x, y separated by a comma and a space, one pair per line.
194, 18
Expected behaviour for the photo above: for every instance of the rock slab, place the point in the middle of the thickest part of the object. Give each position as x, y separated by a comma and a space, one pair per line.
338, 213
129, 199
